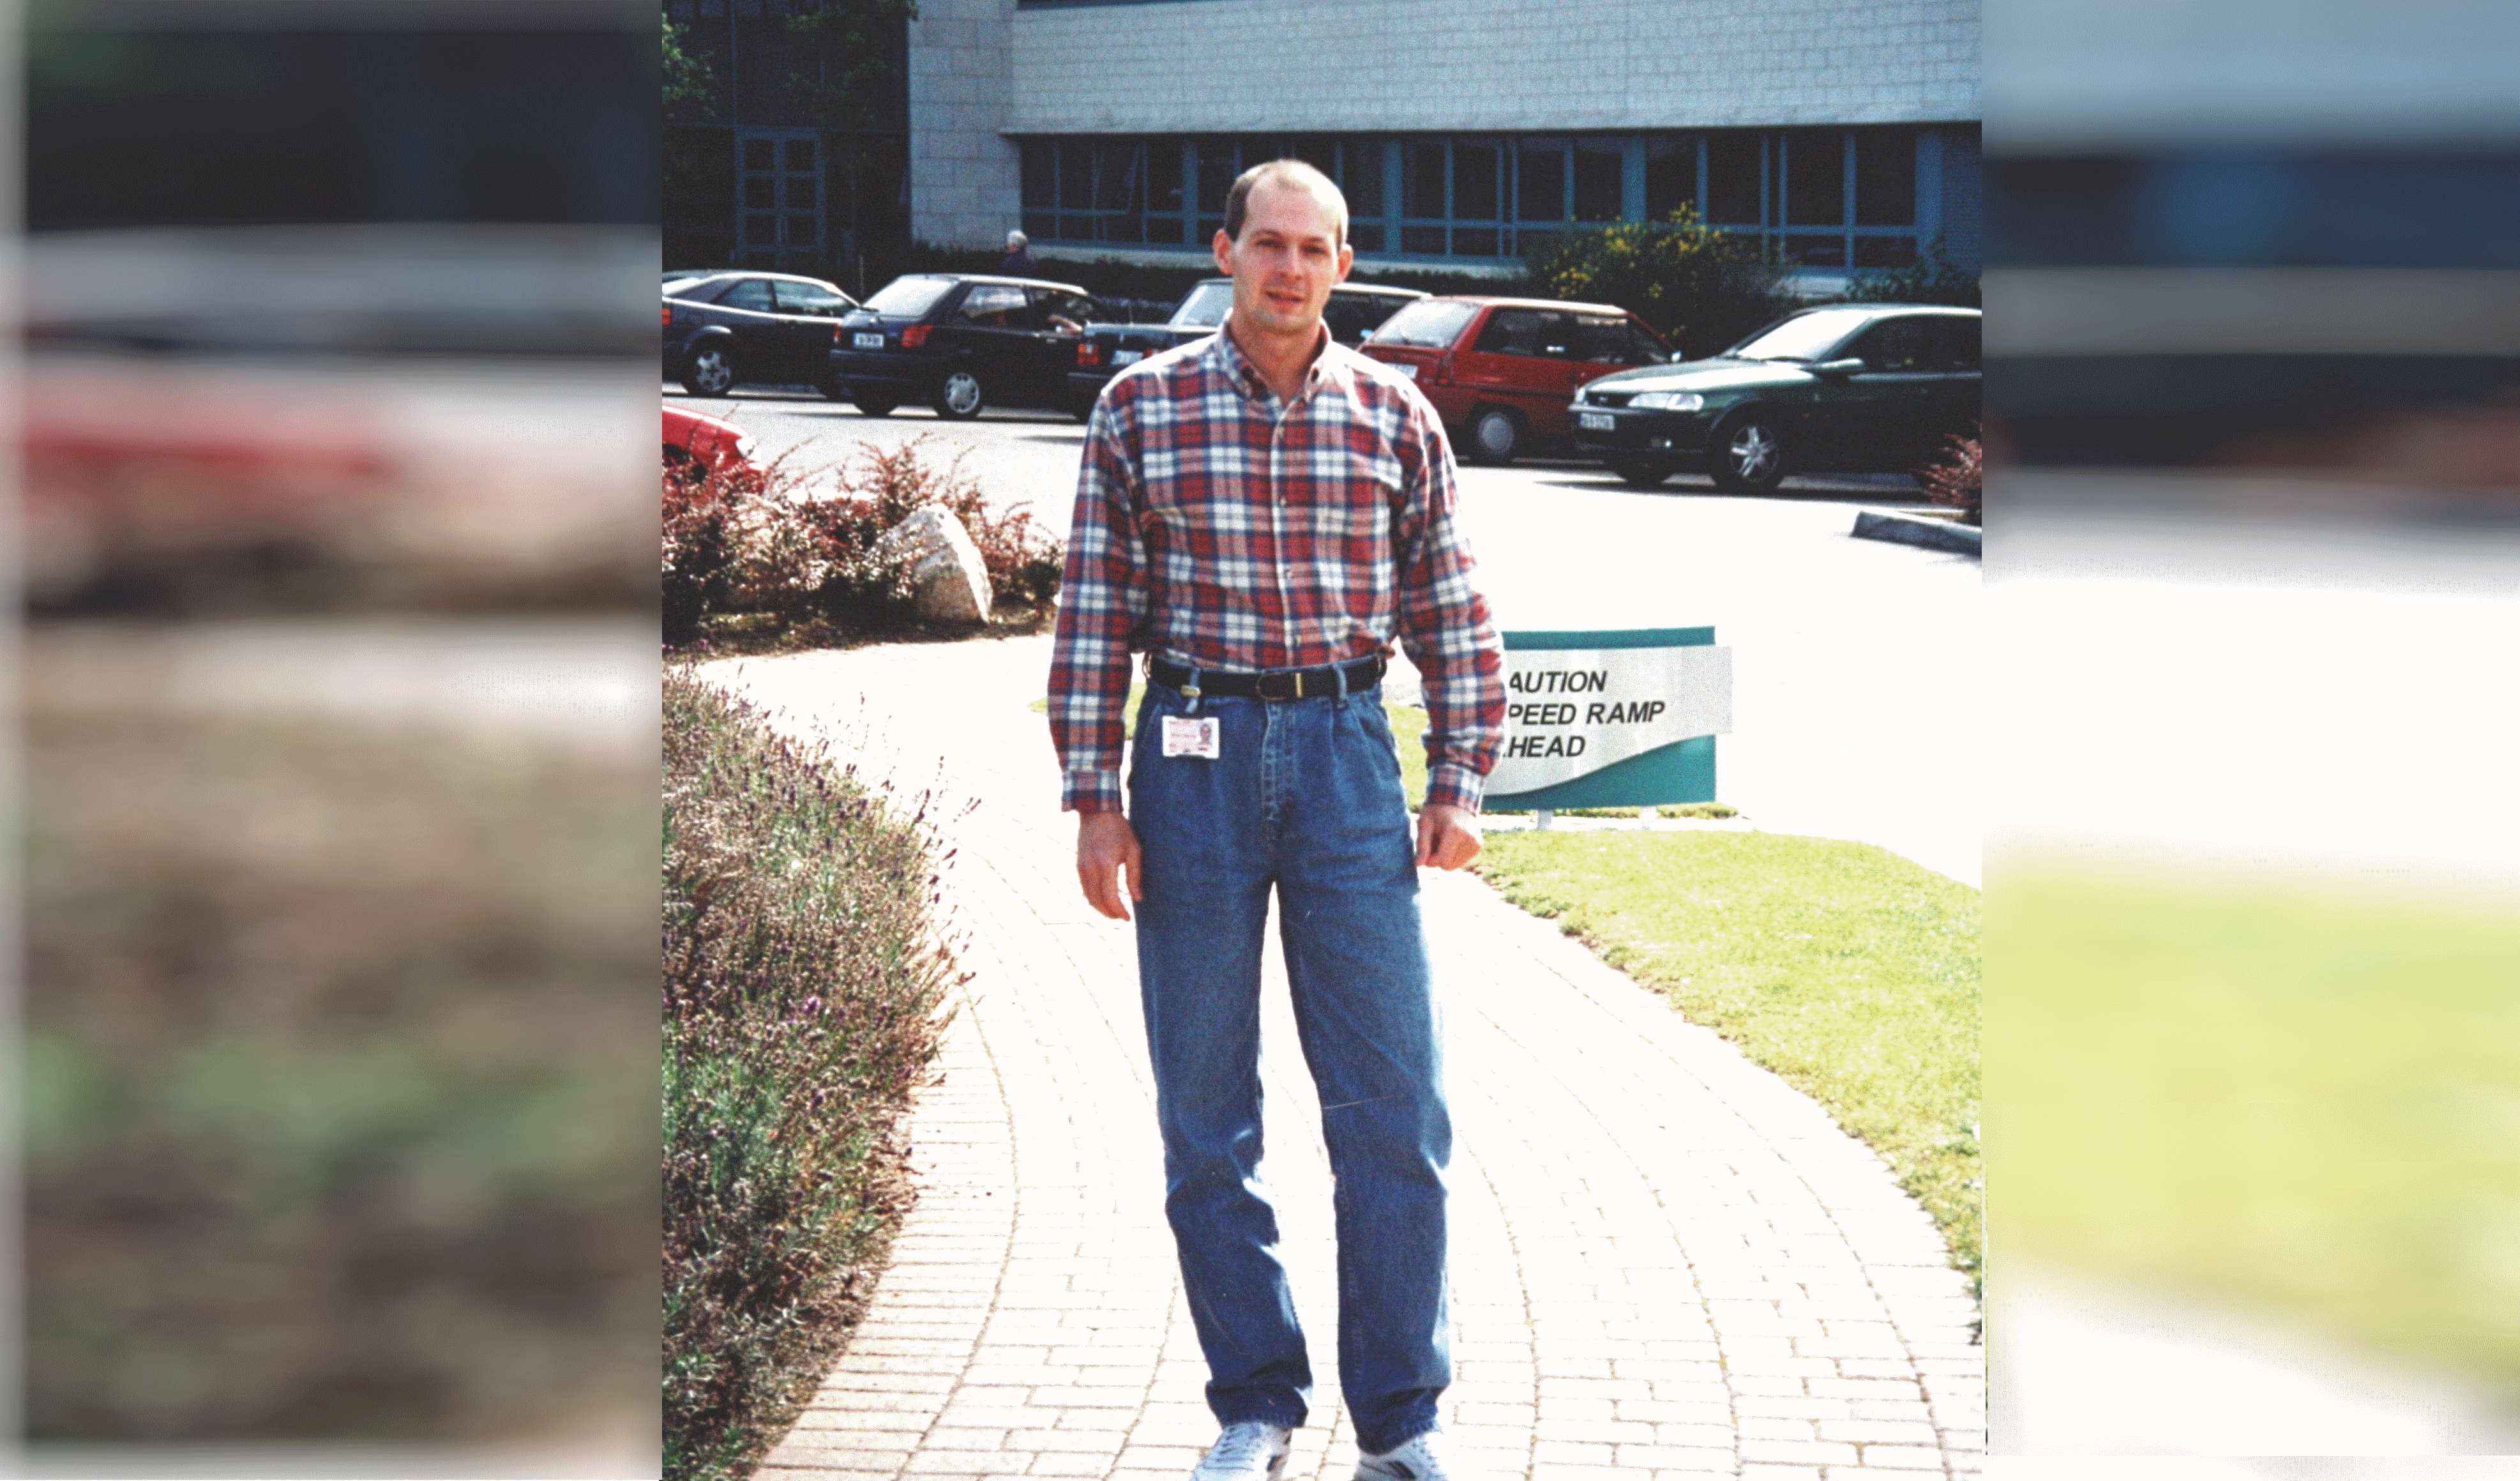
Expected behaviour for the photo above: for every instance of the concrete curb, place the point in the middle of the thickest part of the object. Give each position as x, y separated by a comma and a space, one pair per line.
1908, 530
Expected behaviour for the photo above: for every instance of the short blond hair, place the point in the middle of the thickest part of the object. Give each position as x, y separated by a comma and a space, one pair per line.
1289, 172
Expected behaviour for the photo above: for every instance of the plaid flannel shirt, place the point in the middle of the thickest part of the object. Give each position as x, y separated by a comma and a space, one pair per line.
1224, 529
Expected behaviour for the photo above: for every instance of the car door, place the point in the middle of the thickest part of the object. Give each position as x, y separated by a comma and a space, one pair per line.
1518, 360
1057, 325
810, 317
1882, 416
1955, 403
991, 333
765, 346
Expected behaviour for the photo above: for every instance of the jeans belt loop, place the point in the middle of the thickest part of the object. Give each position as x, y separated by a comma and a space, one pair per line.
1190, 691
1338, 681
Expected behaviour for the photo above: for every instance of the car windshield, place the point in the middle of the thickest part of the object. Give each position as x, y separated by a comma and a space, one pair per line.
1428, 323
1205, 306
908, 298
1804, 336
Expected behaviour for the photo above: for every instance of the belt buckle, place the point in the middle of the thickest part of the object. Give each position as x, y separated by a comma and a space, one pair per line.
1279, 685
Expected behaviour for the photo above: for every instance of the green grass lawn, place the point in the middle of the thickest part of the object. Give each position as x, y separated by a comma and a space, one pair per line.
2302, 1098
1846, 969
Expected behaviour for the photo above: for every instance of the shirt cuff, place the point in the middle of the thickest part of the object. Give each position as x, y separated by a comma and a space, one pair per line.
1454, 784
1090, 791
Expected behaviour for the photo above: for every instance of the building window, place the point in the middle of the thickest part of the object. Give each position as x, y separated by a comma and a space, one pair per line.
1826, 199
778, 199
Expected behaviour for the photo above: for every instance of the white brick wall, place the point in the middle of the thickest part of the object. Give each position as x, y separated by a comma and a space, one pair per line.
1473, 65
964, 186
980, 70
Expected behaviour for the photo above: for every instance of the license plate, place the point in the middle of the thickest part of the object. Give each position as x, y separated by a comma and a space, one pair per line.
867, 341
1596, 421
1127, 356
1411, 371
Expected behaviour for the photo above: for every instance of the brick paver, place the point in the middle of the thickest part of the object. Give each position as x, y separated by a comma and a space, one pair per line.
1666, 1262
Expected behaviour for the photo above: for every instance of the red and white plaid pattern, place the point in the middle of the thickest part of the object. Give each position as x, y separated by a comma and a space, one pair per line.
1226, 529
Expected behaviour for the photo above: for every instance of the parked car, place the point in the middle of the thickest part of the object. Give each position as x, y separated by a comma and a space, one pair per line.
1500, 371
729, 329
1860, 387
697, 446
960, 342
1354, 311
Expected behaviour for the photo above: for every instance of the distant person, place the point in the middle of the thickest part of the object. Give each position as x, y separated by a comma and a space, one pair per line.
1020, 260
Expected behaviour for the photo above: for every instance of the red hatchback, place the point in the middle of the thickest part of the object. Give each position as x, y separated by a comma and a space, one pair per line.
1501, 371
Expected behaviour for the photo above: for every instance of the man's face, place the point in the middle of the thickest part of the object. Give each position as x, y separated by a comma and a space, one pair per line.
1286, 261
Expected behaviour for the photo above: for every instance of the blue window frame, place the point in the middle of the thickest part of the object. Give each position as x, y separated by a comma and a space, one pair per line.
1822, 198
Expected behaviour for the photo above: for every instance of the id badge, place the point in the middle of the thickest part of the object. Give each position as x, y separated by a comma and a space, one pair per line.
1190, 735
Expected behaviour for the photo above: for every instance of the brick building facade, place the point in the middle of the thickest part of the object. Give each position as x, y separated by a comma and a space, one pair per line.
1846, 135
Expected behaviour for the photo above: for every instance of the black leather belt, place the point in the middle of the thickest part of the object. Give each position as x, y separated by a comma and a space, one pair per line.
1280, 683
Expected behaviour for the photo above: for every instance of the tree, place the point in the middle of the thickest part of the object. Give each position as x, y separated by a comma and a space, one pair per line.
1700, 287
846, 81
689, 80
1933, 278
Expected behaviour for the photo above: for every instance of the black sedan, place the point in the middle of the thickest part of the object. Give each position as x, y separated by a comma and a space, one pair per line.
726, 329
960, 342
1848, 387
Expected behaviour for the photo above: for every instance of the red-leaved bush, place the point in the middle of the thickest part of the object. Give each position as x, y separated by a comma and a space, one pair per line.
803, 549
1958, 479
698, 513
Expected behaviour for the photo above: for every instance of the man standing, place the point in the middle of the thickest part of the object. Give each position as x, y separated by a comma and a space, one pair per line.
1262, 513
1019, 260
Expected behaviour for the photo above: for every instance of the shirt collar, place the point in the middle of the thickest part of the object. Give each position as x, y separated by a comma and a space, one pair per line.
1319, 372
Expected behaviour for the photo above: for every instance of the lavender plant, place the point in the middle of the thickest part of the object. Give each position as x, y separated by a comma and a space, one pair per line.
804, 979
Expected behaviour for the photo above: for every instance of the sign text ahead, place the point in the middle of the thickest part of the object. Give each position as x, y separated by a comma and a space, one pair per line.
1574, 711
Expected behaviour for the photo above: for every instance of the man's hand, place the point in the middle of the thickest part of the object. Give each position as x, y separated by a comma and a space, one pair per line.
1448, 837
1106, 847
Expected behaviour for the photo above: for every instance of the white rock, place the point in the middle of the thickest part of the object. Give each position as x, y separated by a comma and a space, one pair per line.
948, 581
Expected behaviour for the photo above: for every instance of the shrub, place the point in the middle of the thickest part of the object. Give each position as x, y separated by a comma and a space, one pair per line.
1700, 287
803, 985
1933, 278
699, 512
802, 550
1958, 479
327, 1088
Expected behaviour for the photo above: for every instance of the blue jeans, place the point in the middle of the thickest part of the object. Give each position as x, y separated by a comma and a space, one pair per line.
1306, 799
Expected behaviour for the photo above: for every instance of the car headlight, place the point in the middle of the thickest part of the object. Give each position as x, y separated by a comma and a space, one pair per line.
1670, 400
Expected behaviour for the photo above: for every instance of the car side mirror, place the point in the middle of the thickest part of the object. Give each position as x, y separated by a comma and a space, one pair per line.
1838, 370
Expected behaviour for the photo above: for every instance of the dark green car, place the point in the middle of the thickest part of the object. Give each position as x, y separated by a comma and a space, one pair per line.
1870, 388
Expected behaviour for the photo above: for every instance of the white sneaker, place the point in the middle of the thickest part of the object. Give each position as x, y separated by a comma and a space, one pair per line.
1252, 1450
1421, 1459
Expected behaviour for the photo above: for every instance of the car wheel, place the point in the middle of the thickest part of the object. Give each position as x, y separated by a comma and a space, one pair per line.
1495, 435
958, 396
710, 372
1749, 456
872, 406
1641, 475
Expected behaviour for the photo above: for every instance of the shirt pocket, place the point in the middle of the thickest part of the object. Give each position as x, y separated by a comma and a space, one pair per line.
1356, 508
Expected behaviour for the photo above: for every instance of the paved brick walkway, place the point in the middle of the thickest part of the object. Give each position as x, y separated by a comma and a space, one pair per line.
1665, 1263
